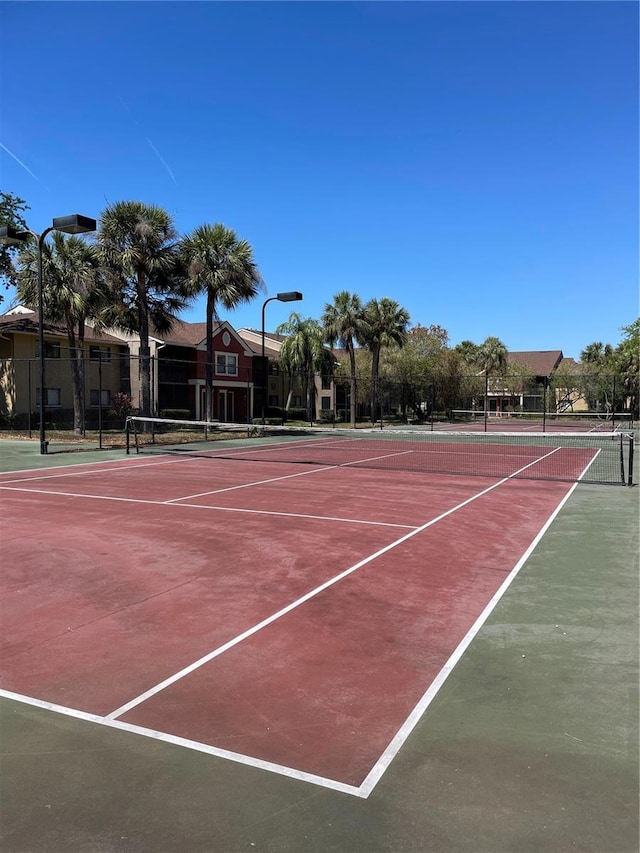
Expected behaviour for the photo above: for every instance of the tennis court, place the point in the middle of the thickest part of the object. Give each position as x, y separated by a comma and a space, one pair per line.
554, 422
291, 620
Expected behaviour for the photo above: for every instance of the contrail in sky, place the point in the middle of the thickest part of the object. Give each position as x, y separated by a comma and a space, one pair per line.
160, 157
19, 161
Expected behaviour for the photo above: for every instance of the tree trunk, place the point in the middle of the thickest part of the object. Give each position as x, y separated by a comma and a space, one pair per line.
375, 369
208, 391
145, 352
310, 388
77, 379
354, 388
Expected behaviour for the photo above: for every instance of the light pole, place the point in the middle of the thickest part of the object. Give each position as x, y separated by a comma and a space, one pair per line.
287, 296
74, 224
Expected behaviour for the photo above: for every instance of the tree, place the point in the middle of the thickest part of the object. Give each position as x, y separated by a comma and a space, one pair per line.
596, 354
222, 266
468, 352
344, 323
11, 210
415, 367
492, 356
611, 376
566, 387
303, 353
517, 380
73, 294
598, 370
492, 360
138, 251
627, 356
385, 326
449, 379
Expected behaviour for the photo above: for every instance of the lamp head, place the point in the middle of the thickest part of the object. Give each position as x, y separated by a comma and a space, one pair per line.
10, 236
74, 224
289, 296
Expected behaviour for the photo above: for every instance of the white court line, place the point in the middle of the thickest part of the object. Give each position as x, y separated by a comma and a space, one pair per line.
143, 697
285, 477
239, 758
70, 465
206, 507
63, 471
416, 714
246, 485
364, 790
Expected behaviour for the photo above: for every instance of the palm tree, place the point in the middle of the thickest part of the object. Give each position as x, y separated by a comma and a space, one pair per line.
599, 366
138, 251
344, 324
303, 353
72, 294
220, 265
386, 326
468, 351
596, 354
492, 359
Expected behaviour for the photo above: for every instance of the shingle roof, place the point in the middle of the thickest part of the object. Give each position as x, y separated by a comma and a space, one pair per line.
27, 322
539, 362
184, 334
570, 364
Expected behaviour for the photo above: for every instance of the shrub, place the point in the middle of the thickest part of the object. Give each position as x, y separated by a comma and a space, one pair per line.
122, 405
267, 421
296, 413
176, 414
276, 412
21, 420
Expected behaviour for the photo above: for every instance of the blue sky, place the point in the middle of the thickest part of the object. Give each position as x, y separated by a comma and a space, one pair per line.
475, 161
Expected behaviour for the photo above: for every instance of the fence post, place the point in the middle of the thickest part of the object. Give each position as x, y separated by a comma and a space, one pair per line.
29, 411
100, 399
486, 398
613, 409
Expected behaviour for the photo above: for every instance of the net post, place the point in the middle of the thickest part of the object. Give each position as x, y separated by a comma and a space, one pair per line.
127, 433
631, 443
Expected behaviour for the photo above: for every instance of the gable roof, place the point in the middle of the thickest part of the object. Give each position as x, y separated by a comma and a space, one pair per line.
184, 334
571, 365
26, 322
253, 341
539, 362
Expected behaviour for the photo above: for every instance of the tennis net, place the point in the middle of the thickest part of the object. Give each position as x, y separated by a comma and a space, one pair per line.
552, 421
588, 457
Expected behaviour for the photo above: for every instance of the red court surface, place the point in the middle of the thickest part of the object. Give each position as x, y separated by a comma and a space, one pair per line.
296, 618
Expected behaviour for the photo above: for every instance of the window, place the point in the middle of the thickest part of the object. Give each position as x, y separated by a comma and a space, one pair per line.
274, 368
227, 364
51, 349
100, 398
326, 383
51, 396
296, 401
102, 354
325, 403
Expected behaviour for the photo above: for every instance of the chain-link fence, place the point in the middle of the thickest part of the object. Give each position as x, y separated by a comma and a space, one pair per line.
111, 387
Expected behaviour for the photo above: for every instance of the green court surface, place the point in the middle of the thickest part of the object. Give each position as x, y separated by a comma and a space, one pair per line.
530, 746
